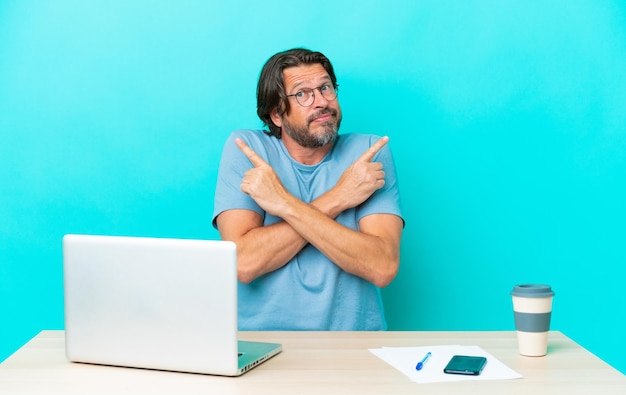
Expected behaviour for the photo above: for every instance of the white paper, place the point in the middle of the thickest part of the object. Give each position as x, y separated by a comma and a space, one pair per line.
406, 358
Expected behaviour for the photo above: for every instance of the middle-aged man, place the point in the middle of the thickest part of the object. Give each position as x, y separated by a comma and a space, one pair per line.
315, 215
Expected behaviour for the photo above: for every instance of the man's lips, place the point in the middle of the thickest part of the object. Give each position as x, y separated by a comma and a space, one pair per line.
323, 117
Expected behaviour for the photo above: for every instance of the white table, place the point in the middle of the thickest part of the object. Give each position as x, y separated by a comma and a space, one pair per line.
318, 363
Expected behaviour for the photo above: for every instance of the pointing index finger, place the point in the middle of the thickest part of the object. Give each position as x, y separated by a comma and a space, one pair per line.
249, 153
373, 150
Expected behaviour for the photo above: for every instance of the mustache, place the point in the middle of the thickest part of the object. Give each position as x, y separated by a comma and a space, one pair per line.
319, 113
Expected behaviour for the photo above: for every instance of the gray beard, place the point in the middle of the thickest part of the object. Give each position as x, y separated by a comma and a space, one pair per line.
305, 139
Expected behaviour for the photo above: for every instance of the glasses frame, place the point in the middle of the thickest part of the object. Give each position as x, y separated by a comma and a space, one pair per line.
319, 88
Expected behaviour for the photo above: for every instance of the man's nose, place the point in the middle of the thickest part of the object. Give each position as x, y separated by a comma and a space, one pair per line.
319, 100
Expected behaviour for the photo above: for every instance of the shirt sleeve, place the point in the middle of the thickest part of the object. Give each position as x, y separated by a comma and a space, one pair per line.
233, 165
387, 199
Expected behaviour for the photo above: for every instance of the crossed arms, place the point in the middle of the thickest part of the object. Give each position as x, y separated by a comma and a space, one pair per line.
373, 252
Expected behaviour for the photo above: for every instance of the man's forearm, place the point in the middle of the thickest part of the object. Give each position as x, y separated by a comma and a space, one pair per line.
372, 256
264, 249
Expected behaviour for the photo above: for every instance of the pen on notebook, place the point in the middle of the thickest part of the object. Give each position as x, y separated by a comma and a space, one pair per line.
421, 363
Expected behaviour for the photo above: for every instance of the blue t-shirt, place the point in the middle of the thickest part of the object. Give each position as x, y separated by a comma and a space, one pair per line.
310, 292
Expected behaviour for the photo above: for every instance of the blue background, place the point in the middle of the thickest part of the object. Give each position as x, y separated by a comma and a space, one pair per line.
507, 121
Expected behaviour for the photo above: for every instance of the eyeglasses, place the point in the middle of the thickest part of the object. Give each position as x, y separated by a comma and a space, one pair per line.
306, 96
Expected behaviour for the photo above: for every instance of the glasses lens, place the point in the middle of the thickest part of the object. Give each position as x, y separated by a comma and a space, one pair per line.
305, 97
329, 92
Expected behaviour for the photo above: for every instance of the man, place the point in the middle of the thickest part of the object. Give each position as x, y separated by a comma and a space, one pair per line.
315, 215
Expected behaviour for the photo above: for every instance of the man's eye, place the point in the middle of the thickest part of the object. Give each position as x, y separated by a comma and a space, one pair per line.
300, 94
324, 88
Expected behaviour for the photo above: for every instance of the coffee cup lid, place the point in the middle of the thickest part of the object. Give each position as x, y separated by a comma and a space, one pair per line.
532, 291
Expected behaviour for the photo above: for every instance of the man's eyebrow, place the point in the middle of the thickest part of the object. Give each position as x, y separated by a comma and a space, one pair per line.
297, 86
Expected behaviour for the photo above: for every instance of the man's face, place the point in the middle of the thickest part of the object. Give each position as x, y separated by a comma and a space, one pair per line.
316, 125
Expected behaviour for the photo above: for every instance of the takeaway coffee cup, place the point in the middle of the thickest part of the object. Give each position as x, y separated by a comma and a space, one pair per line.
532, 307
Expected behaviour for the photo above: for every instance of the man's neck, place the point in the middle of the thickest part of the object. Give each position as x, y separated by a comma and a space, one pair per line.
306, 156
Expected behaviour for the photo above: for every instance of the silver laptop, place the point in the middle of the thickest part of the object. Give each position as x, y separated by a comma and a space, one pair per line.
166, 304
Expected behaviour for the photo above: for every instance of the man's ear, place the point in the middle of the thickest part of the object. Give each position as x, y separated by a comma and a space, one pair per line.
276, 118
